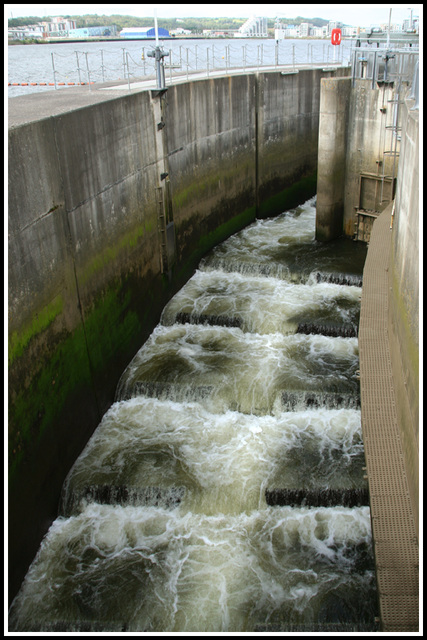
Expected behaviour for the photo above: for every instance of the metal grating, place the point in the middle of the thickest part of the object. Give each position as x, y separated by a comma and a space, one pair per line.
393, 527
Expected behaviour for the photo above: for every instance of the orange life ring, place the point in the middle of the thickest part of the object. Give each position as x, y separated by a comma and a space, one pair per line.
336, 36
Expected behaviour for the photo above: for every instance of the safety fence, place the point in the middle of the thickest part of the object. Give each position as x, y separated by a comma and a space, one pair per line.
84, 68
389, 66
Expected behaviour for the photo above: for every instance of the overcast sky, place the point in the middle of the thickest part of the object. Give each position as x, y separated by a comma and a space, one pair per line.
362, 15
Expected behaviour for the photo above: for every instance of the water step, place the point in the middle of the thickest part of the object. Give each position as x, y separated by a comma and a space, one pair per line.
168, 391
299, 400
212, 320
325, 627
339, 278
167, 498
334, 331
317, 497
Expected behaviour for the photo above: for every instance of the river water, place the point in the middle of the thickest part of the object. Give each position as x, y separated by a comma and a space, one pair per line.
165, 522
113, 61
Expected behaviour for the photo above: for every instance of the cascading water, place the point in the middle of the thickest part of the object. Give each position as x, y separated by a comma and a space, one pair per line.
224, 489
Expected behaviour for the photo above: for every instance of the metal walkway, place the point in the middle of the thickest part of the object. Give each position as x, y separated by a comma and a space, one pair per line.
393, 526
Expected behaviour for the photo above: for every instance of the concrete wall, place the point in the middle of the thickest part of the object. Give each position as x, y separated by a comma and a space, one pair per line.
100, 238
353, 135
404, 296
333, 138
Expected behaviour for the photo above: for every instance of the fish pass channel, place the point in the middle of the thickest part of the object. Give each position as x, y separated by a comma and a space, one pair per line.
224, 489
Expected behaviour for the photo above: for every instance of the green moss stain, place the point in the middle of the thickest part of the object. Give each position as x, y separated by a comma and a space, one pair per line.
109, 254
18, 341
214, 237
63, 371
290, 197
66, 371
111, 325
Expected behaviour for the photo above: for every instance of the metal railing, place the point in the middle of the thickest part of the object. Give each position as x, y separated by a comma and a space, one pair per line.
385, 65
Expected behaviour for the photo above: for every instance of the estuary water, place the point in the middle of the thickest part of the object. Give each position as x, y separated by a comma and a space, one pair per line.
247, 389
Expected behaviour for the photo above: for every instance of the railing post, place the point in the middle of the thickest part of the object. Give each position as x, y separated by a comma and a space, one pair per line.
78, 68
102, 66
88, 72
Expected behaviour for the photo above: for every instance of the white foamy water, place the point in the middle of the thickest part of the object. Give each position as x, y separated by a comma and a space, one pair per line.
155, 570
165, 525
237, 370
224, 461
263, 305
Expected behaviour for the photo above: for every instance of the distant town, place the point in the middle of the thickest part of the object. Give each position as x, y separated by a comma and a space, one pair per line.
59, 28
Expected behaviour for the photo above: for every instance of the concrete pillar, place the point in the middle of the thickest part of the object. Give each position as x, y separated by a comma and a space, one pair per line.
333, 126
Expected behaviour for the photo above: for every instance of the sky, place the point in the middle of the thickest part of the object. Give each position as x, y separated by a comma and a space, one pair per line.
362, 15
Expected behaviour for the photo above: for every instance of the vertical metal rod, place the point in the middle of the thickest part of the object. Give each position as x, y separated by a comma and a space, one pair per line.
207, 61
102, 66
78, 68
127, 67
156, 28
187, 63
54, 72
374, 71
88, 72
170, 65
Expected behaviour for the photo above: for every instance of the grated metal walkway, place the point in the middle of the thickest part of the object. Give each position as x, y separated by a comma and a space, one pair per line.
393, 525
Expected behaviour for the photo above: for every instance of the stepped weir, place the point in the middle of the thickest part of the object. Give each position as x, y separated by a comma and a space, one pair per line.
224, 507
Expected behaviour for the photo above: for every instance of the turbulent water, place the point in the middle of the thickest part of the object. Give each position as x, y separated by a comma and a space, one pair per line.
165, 523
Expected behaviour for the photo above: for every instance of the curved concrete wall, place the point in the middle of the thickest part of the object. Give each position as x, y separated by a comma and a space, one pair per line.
404, 296
111, 205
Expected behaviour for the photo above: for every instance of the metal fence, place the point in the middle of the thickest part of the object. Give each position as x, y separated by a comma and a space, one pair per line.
122, 64
387, 65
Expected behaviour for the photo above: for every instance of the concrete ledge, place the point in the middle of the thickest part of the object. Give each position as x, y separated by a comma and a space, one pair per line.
394, 529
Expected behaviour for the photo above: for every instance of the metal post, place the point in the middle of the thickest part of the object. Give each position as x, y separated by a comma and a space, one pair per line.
207, 61
127, 67
374, 70
88, 72
293, 56
187, 63
102, 66
78, 68
276, 53
54, 72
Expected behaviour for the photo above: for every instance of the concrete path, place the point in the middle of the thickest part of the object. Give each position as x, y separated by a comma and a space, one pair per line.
393, 525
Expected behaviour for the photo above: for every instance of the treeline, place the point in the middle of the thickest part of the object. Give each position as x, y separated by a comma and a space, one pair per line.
195, 25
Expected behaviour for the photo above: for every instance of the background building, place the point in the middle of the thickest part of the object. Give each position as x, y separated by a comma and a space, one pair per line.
143, 32
253, 28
